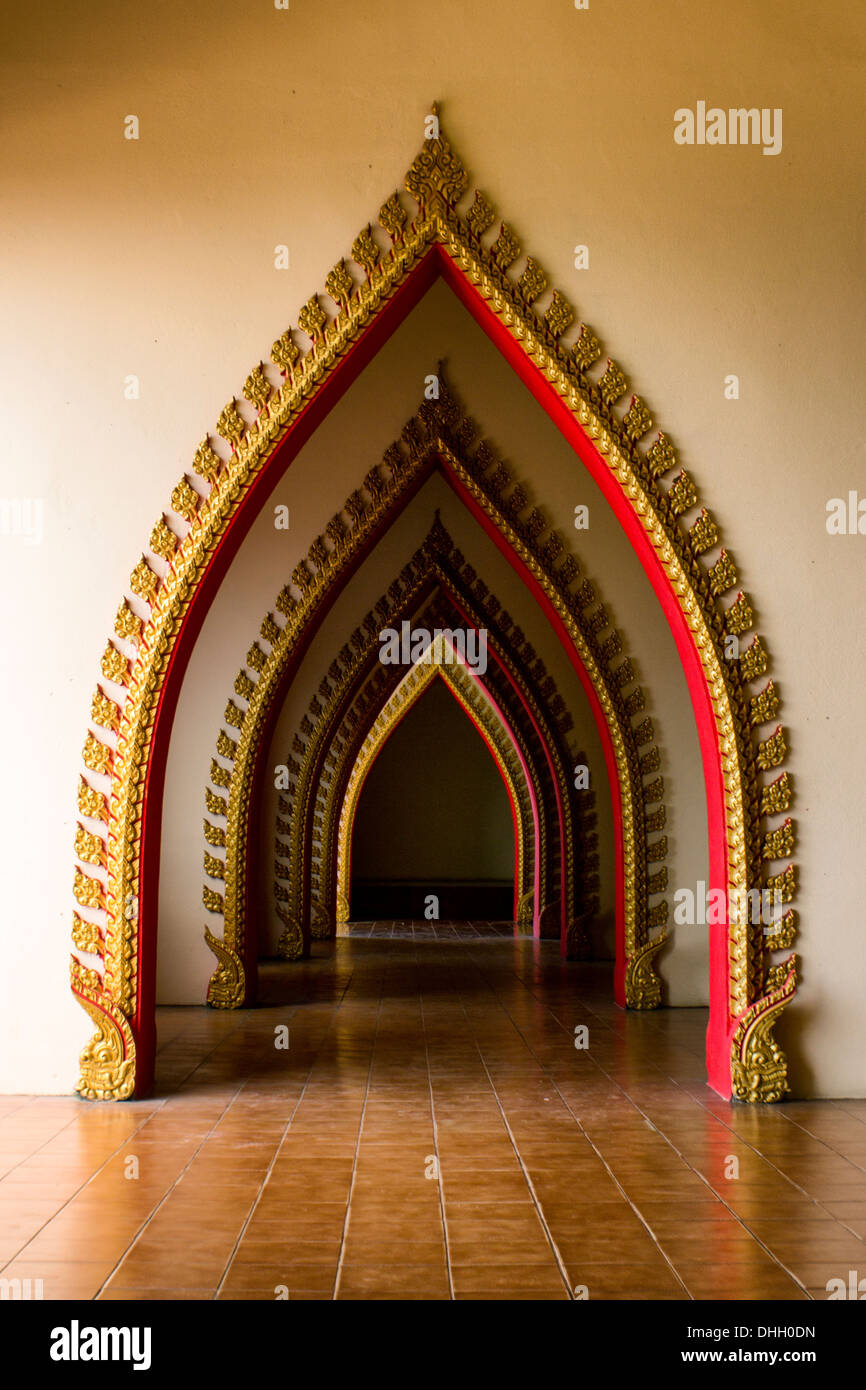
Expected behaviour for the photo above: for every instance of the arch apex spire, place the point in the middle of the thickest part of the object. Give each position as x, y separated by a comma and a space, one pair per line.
437, 178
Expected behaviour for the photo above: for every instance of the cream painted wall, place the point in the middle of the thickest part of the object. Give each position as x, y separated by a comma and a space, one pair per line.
155, 258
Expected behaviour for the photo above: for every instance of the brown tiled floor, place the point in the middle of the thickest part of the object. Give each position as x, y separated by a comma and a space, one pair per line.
313, 1170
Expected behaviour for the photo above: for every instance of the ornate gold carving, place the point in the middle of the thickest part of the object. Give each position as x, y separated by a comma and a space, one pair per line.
772, 751
764, 707
144, 581
312, 318
206, 463
559, 316
661, 456
682, 493
365, 252
285, 353
291, 942
339, 284
783, 885
723, 574
115, 666
104, 711
89, 848
754, 661
86, 936
392, 216
256, 657
212, 900
778, 844
163, 541
777, 796
219, 775
613, 383
704, 534
758, 1064
637, 420
227, 984
185, 500
777, 974
781, 934
226, 747
533, 281
739, 617
214, 834
108, 1060
97, 755
91, 802
657, 850
233, 715
257, 388
642, 988
231, 424
213, 867
127, 625
88, 891
216, 805
586, 350
525, 909
437, 178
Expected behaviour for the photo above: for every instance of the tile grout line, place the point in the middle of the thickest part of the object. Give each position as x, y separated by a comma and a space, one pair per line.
436, 1147
226, 1108
286, 1128
158, 1106
262, 1185
678, 1152
358, 1144
529, 1183
92, 1178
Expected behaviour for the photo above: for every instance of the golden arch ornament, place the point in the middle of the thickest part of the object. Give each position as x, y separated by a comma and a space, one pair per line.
356, 699
116, 846
438, 588
438, 663
568, 879
440, 435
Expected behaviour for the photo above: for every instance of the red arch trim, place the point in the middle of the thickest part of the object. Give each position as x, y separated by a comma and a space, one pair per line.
259, 840
491, 750
432, 265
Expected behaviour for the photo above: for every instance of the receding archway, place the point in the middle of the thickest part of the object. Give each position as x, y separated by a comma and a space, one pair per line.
118, 856
433, 834
327, 743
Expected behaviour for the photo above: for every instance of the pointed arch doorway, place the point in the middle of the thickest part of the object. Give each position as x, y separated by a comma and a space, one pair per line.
115, 885
433, 833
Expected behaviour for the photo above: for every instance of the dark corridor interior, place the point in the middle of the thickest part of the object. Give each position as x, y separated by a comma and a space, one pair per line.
434, 835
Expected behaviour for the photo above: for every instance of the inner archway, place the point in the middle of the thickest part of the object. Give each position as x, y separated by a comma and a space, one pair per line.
173, 587
433, 834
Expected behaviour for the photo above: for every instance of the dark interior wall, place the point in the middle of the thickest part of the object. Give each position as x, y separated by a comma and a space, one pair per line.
434, 817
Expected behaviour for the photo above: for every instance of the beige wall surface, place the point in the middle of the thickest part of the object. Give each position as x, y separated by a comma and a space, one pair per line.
155, 258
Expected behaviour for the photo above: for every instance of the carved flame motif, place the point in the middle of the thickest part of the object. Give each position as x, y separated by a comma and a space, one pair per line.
437, 181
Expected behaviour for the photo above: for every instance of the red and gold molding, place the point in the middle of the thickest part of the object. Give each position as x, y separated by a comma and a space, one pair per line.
212, 508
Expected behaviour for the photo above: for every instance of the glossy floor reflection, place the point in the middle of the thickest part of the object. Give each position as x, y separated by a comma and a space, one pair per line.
431, 1132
